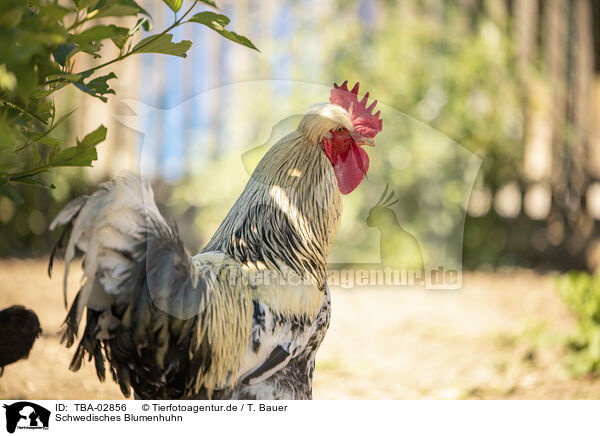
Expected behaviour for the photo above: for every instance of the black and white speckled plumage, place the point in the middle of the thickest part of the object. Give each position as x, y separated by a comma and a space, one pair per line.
173, 326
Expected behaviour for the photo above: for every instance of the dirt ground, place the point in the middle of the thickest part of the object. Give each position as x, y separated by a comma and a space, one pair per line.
498, 338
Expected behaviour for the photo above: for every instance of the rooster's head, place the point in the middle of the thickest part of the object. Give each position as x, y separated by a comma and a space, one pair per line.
342, 128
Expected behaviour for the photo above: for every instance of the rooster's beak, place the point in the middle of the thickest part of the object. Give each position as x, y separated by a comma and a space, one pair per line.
363, 140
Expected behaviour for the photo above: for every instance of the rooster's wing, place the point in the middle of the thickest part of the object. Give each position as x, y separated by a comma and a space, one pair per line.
169, 325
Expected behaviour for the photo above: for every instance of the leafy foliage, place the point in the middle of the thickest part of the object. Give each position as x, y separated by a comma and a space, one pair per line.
39, 41
163, 44
217, 22
581, 293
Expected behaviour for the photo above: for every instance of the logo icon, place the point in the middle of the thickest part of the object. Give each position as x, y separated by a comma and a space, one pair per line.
26, 415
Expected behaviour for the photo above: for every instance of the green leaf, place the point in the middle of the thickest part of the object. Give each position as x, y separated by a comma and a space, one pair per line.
175, 5
100, 85
211, 19
217, 22
83, 154
74, 157
120, 37
94, 138
163, 44
108, 8
209, 3
96, 33
97, 87
89, 39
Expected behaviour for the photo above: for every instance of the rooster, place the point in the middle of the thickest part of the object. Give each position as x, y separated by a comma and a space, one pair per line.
242, 319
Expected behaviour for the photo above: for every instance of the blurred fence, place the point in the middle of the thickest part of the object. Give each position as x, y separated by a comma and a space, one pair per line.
556, 53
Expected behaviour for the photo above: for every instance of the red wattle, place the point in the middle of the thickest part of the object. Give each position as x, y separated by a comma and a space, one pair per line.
350, 168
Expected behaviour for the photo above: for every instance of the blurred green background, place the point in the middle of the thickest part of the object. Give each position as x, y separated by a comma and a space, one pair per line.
514, 82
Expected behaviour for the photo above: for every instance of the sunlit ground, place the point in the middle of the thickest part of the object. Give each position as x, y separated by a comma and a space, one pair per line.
499, 337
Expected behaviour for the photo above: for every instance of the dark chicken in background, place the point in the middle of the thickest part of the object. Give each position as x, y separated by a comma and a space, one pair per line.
172, 326
19, 328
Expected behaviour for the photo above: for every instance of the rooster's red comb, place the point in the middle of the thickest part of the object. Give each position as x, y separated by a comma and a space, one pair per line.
364, 121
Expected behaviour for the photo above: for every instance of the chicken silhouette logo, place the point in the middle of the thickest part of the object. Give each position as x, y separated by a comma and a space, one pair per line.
26, 415
399, 248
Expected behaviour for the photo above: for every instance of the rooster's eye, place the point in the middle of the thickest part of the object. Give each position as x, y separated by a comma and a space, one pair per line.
340, 129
